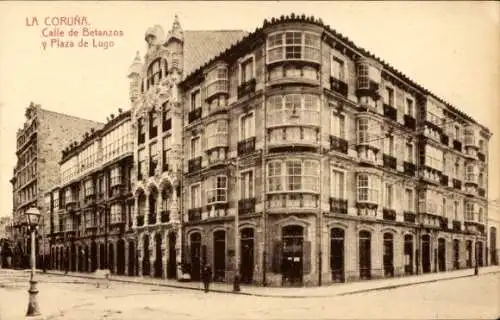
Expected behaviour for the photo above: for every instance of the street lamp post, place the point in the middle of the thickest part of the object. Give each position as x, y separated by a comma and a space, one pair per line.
33, 216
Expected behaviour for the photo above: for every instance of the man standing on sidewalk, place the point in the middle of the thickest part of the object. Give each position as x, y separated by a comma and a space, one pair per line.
206, 275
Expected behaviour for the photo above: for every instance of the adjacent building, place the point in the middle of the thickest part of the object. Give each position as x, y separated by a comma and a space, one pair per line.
39, 143
338, 167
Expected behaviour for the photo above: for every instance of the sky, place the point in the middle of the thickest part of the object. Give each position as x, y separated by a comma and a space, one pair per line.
450, 48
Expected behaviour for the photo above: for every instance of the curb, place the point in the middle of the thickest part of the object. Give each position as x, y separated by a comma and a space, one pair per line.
387, 287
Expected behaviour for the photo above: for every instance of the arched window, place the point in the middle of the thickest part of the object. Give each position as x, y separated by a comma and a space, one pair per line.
156, 71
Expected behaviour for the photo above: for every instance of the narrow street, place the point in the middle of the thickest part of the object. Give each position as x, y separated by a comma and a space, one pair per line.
74, 298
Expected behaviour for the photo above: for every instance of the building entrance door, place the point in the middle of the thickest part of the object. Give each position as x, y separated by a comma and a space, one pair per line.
292, 264
171, 263
247, 255
442, 254
195, 241
426, 254
337, 254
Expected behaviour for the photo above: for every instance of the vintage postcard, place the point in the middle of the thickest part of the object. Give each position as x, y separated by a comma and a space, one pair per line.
249, 160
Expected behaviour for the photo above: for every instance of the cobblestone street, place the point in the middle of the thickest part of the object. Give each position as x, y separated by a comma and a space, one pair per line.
63, 297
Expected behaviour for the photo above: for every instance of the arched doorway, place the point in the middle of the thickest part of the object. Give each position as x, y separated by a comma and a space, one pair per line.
219, 255
111, 257
158, 273
493, 246
131, 258
146, 268
93, 256
337, 237
120, 257
171, 263
441, 254
292, 261
468, 252
247, 255
426, 253
456, 254
408, 251
480, 253
388, 255
195, 242
365, 264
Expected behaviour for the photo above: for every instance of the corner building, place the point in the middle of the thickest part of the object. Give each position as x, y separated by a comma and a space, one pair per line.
339, 167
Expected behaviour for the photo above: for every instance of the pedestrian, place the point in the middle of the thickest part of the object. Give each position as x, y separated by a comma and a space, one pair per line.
206, 275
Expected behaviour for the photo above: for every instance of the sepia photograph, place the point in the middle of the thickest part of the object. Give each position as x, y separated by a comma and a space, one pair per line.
260, 160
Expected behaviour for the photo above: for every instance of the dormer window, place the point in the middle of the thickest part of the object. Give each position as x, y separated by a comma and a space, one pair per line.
293, 45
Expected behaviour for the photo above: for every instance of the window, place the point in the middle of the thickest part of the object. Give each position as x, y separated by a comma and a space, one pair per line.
389, 196
389, 96
480, 215
443, 208
116, 213
154, 73
293, 45
457, 133
195, 100
141, 164
389, 144
247, 126
455, 210
246, 70
216, 189
409, 152
434, 113
409, 107
480, 179
153, 124
481, 145
456, 168
363, 130
153, 155
216, 134
195, 147
247, 185
338, 125
166, 151
469, 136
55, 200
470, 173
409, 201
303, 106
116, 176
195, 196
469, 211
89, 188
368, 188
217, 81
141, 130
434, 157
337, 69
337, 184
299, 175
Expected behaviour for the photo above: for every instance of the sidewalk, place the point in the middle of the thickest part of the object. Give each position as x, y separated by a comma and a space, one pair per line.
303, 292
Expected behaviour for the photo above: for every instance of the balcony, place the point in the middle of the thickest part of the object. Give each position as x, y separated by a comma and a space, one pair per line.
481, 192
141, 138
445, 139
409, 122
339, 87
165, 216
140, 220
289, 201
474, 227
246, 206
338, 206
246, 88
389, 214
456, 225
390, 112
194, 115
194, 214
293, 137
389, 161
481, 156
246, 146
167, 124
457, 184
430, 220
444, 180
409, 168
152, 218
409, 216
338, 144
153, 132
457, 145
194, 164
